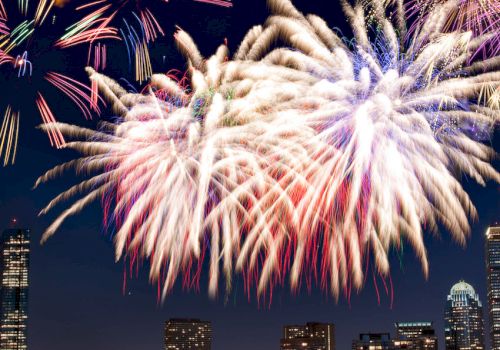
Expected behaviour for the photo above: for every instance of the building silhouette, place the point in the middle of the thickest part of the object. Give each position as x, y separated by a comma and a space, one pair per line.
311, 336
493, 277
188, 334
373, 341
415, 336
14, 267
463, 319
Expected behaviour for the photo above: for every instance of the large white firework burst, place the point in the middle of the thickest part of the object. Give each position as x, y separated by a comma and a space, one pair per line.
396, 126
300, 158
177, 168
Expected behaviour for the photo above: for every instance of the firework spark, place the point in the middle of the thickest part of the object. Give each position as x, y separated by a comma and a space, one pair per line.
137, 46
304, 161
9, 135
477, 16
55, 136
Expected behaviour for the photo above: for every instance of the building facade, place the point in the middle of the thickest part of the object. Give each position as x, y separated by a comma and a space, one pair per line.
317, 336
415, 336
373, 341
15, 252
493, 277
188, 334
463, 318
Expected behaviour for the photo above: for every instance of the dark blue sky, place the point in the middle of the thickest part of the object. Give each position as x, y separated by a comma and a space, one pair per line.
76, 298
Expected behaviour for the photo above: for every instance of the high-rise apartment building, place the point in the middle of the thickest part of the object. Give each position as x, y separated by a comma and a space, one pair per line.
463, 316
415, 336
188, 334
311, 336
493, 276
14, 260
373, 341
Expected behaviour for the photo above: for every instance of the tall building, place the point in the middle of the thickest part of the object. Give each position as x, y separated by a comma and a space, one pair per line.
493, 275
311, 336
373, 341
415, 336
15, 252
463, 318
187, 334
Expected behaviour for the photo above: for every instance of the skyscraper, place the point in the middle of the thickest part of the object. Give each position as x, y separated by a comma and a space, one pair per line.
415, 336
188, 334
15, 252
493, 275
463, 318
311, 336
373, 341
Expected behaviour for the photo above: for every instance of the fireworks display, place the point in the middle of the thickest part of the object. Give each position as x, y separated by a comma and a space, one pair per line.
22, 53
480, 17
302, 158
21, 56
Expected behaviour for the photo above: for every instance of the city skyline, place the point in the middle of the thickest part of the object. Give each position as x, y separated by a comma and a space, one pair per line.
463, 309
461, 301
405, 319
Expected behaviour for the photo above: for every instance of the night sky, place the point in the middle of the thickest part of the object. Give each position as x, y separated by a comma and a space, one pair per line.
76, 297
